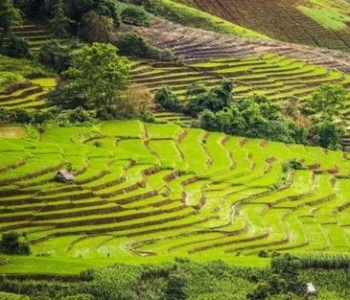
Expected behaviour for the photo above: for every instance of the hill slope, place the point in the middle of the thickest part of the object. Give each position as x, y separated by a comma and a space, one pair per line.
279, 70
318, 23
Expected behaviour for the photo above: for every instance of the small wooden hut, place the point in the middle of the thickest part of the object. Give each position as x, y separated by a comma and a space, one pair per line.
64, 176
310, 289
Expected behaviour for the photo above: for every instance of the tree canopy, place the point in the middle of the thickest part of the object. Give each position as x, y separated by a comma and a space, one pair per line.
98, 90
10, 244
327, 99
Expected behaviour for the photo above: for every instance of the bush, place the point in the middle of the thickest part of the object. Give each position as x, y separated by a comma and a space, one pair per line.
56, 56
135, 15
167, 99
167, 55
133, 44
10, 244
16, 47
77, 115
67, 97
60, 23
96, 28
108, 8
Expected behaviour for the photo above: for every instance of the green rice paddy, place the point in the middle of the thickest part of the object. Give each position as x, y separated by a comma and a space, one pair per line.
151, 192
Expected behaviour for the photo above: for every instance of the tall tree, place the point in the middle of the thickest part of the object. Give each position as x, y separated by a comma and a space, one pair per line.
60, 22
9, 16
328, 99
96, 77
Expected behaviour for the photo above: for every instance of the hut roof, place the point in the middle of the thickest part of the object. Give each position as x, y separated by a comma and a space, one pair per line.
310, 288
65, 174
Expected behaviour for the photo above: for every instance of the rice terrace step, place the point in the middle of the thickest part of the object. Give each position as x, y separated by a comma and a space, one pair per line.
223, 195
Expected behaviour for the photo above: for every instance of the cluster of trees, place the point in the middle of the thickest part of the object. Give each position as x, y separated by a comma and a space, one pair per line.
104, 93
9, 16
93, 20
76, 116
99, 90
132, 44
282, 279
13, 46
314, 123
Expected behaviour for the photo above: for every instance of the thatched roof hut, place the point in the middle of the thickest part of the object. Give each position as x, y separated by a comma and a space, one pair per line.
310, 289
64, 176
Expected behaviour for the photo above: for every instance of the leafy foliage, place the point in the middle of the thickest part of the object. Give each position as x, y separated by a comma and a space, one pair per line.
98, 90
95, 27
327, 100
135, 15
282, 279
132, 44
16, 47
60, 23
55, 55
167, 99
9, 16
326, 133
10, 244
199, 98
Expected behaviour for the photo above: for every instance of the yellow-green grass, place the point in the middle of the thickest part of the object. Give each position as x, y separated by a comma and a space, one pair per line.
151, 192
327, 14
10, 296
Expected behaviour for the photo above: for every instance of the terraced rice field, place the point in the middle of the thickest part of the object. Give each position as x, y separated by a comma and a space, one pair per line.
278, 77
164, 191
33, 33
317, 23
29, 95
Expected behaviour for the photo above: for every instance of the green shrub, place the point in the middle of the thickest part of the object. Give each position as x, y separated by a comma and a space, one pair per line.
8, 78
109, 8
10, 244
133, 44
147, 117
54, 55
135, 15
60, 23
66, 97
74, 116
96, 28
16, 47
165, 97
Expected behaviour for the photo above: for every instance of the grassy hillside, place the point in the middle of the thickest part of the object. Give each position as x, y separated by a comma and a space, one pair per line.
148, 193
311, 22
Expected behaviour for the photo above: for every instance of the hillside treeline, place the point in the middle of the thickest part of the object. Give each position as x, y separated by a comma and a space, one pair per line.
184, 279
217, 109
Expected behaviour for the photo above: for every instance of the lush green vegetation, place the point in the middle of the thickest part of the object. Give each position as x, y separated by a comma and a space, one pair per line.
145, 194
257, 116
148, 193
184, 279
